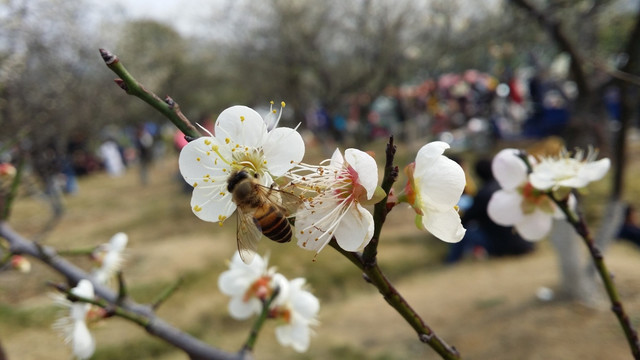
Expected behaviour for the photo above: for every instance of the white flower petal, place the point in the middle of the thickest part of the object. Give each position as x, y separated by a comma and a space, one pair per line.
304, 302
535, 226
209, 205
429, 153
82, 343
118, 242
283, 149
337, 160
355, 229
241, 125
441, 184
594, 171
508, 169
366, 167
308, 234
445, 225
504, 208
240, 309
297, 336
197, 159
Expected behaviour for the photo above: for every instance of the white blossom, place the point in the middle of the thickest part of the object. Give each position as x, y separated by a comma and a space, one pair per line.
73, 327
109, 257
335, 207
241, 142
435, 186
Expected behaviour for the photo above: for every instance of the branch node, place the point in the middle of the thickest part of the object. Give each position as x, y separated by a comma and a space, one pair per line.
425, 338
121, 84
169, 101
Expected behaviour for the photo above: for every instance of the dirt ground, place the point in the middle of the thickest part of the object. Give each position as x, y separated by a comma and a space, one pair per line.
487, 309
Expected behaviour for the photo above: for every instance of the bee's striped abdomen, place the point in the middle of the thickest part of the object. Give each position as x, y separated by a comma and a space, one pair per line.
273, 224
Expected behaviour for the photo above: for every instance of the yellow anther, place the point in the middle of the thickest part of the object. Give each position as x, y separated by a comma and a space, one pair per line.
195, 184
222, 193
197, 208
227, 140
220, 224
207, 142
198, 159
273, 111
283, 104
241, 118
214, 148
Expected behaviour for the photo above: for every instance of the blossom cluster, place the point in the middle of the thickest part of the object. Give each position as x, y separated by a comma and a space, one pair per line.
73, 324
251, 286
530, 189
331, 199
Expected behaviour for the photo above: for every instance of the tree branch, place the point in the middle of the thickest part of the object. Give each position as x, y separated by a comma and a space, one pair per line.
196, 349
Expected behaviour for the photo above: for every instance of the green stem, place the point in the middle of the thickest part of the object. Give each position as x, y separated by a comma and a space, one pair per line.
167, 107
112, 310
257, 326
577, 221
166, 294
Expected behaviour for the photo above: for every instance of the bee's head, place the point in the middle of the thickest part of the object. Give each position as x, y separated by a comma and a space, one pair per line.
237, 176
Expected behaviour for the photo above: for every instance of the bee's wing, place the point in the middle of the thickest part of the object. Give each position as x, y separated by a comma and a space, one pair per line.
283, 199
248, 236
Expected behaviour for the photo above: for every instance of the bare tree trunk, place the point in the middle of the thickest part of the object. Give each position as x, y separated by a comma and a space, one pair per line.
575, 282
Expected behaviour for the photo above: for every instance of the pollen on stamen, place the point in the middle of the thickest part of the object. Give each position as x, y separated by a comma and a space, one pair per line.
197, 208
207, 142
283, 104
227, 140
198, 159
241, 118
222, 193
195, 184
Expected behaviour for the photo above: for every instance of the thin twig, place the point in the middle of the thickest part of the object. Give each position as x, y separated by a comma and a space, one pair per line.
166, 294
168, 107
257, 325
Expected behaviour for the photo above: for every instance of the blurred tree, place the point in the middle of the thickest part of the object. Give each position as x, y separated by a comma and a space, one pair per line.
590, 69
305, 51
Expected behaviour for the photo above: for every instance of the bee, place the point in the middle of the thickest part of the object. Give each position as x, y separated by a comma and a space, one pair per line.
261, 210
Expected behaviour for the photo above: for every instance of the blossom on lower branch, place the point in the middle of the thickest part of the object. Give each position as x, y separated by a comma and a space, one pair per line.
251, 285
334, 207
73, 326
433, 190
109, 257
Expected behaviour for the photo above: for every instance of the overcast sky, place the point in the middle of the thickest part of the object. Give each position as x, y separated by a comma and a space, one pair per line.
187, 16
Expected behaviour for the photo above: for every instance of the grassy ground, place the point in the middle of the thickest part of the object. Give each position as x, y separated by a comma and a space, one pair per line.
487, 309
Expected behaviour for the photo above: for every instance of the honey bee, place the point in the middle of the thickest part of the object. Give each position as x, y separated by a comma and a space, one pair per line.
261, 210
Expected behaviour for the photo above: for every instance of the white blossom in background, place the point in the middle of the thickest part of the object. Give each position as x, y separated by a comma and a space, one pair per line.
336, 207
518, 203
435, 186
564, 171
247, 285
296, 310
109, 257
73, 327
241, 142
250, 286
